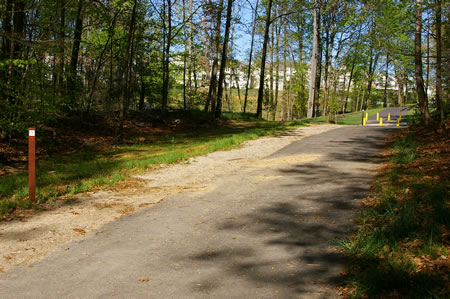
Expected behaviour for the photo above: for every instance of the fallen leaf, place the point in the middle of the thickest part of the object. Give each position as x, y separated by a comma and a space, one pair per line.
79, 230
144, 279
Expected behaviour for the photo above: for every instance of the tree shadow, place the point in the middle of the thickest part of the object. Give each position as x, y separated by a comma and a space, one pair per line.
295, 232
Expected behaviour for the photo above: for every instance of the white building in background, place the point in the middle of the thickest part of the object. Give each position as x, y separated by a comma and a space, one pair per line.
238, 78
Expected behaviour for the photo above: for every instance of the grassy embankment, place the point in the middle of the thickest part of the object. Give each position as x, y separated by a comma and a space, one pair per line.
402, 243
92, 168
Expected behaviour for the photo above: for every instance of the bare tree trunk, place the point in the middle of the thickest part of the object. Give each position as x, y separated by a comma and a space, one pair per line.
423, 101
126, 79
62, 32
313, 78
223, 61
277, 69
349, 85
71, 78
400, 92
372, 66
191, 56
386, 78
250, 56
142, 95
428, 61
439, 94
7, 30
236, 78
263, 61
166, 62
212, 92
271, 81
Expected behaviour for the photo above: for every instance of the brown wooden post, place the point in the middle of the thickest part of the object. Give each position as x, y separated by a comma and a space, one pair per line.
32, 164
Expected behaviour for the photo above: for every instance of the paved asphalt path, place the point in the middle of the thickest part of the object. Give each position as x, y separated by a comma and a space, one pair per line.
262, 233
395, 113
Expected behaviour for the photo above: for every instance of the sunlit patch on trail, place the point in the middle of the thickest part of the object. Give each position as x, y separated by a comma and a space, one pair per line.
267, 163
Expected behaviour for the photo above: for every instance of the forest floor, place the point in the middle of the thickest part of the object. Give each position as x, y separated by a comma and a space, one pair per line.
402, 244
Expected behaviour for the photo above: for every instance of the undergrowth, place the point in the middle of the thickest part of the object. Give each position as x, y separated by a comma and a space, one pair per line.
402, 243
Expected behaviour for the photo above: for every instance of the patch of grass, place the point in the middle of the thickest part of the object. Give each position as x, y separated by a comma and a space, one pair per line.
354, 118
404, 150
239, 116
401, 247
90, 168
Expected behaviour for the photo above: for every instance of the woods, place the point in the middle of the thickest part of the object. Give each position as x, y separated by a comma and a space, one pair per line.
305, 58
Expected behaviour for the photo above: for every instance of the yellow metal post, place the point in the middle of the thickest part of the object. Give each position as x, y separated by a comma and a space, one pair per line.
381, 121
364, 122
389, 116
378, 115
367, 116
398, 122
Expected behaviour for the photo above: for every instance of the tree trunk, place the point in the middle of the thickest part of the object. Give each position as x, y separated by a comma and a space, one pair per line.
372, 66
212, 92
423, 101
166, 62
71, 78
400, 91
277, 69
62, 29
286, 104
125, 76
250, 56
191, 56
236, 78
142, 95
313, 78
7, 30
263, 61
439, 94
386, 78
271, 81
223, 61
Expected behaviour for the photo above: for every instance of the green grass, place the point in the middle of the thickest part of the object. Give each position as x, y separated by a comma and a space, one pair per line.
353, 118
90, 168
407, 219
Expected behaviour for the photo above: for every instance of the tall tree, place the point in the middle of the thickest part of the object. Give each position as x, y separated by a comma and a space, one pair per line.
439, 95
212, 92
423, 101
249, 67
263, 61
223, 61
125, 72
314, 61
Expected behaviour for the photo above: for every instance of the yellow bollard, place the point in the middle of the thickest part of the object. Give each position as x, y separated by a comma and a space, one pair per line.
398, 123
381, 121
364, 122
389, 116
400, 117
378, 115
367, 116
